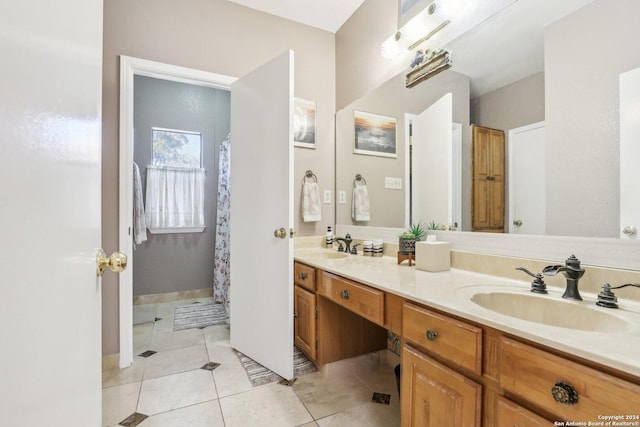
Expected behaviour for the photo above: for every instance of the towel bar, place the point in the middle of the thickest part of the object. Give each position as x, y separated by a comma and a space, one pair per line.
359, 178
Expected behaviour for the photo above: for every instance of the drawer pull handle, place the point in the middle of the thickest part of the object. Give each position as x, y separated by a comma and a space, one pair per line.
564, 393
295, 315
432, 335
344, 294
302, 276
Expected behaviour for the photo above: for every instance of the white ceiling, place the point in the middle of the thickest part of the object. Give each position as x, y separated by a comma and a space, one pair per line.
328, 15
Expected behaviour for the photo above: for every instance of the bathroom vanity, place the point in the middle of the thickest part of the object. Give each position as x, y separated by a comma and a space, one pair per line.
464, 364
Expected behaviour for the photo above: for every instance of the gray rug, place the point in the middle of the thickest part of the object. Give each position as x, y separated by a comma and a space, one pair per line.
199, 315
259, 375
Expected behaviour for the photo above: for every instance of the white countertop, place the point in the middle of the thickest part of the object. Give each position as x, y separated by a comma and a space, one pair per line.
451, 291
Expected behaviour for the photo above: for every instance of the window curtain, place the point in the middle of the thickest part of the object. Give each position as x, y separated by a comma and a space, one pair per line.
175, 199
221, 258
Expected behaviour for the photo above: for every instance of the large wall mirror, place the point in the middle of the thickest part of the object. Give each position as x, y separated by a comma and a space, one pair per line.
546, 71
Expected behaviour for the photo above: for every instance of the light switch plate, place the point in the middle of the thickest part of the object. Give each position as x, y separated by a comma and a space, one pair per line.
393, 183
327, 196
342, 197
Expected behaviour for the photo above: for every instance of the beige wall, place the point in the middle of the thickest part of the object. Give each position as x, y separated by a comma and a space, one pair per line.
359, 66
220, 37
518, 104
584, 55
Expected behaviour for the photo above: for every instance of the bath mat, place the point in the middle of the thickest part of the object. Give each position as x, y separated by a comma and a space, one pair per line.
259, 375
199, 316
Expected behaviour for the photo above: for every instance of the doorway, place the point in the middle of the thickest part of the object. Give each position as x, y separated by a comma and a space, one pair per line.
527, 194
129, 68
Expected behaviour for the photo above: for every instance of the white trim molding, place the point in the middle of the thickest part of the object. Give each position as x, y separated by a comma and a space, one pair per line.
130, 67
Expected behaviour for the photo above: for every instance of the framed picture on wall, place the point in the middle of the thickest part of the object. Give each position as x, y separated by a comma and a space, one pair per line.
304, 123
407, 9
375, 135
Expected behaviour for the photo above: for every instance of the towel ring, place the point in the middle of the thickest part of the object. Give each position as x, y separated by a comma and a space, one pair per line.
359, 178
309, 174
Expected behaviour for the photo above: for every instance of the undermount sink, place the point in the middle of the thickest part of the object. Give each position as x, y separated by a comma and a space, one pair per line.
331, 255
550, 312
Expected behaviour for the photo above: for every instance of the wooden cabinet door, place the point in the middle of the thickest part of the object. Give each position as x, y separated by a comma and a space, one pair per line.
435, 396
488, 179
512, 414
304, 323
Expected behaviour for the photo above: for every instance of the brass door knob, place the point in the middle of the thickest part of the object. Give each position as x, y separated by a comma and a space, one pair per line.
280, 233
117, 262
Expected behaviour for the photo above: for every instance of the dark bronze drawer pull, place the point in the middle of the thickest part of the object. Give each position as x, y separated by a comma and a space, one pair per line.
302, 276
344, 294
432, 335
564, 393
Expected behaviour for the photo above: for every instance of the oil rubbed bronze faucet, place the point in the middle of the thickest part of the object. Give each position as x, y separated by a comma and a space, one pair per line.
572, 271
606, 298
347, 242
537, 285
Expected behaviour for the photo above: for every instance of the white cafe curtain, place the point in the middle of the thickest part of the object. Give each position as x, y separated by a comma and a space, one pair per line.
175, 199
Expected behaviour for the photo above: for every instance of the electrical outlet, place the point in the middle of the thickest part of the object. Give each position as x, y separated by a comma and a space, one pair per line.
342, 197
327, 196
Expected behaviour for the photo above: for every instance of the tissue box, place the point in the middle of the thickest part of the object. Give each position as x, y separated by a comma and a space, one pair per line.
433, 256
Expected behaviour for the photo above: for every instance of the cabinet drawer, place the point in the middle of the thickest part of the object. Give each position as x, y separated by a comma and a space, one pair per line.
448, 338
361, 299
512, 414
538, 376
304, 276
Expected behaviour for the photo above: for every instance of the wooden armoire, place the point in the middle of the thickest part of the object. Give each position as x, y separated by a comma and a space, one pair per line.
487, 179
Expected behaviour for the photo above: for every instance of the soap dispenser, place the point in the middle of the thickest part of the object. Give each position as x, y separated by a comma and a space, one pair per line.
329, 239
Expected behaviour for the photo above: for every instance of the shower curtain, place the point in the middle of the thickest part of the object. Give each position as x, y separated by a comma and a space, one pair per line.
221, 257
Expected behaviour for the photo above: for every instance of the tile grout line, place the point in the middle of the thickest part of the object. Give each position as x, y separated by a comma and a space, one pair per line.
213, 377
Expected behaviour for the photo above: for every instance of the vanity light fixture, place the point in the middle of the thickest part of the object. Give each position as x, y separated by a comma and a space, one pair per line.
419, 29
439, 23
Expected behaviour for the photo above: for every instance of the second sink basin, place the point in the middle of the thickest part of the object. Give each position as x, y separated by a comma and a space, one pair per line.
550, 312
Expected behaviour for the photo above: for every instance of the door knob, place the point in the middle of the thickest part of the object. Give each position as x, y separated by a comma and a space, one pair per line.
117, 262
517, 223
280, 233
630, 231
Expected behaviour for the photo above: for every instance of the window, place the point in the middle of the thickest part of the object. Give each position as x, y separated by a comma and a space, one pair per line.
175, 182
176, 148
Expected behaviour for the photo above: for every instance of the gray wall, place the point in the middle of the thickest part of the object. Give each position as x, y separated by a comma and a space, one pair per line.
221, 37
184, 261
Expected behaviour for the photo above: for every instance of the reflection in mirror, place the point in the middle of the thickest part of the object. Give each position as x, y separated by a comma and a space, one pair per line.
388, 203
542, 70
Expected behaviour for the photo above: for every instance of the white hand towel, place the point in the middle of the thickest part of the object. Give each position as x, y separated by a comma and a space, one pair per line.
360, 210
139, 223
311, 202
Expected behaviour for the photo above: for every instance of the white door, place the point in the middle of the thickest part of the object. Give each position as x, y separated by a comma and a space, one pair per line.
432, 160
50, 202
629, 154
261, 264
527, 179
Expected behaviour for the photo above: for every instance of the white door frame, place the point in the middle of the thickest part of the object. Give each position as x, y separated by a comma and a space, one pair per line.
129, 67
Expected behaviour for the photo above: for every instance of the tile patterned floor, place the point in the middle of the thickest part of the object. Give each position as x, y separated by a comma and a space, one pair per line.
194, 378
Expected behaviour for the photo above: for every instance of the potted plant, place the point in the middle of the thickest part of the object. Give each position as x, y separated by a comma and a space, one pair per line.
407, 240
